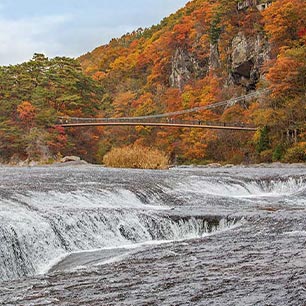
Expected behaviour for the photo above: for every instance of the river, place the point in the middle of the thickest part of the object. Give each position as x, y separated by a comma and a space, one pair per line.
87, 235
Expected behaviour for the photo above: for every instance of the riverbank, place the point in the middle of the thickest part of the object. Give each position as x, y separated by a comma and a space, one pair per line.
212, 165
261, 165
65, 161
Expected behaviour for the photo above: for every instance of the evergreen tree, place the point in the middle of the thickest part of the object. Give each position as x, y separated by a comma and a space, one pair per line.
33, 94
263, 141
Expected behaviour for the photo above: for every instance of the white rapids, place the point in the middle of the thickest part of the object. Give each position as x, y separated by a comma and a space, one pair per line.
50, 219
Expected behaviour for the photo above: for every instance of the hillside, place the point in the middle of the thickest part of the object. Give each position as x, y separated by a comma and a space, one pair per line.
208, 51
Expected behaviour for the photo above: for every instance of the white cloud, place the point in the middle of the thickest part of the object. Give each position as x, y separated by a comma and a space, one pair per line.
20, 39
75, 27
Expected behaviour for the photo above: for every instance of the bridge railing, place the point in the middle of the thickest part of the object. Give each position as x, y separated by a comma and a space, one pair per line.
74, 120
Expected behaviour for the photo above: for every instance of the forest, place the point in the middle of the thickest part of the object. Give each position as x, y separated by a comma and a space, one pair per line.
206, 52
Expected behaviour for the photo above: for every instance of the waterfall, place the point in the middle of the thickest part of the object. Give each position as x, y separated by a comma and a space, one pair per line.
89, 210
32, 238
230, 187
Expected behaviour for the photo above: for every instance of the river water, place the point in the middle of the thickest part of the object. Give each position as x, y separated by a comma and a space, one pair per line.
87, 235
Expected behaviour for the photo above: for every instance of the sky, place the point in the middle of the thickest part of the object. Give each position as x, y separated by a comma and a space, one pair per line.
72, 27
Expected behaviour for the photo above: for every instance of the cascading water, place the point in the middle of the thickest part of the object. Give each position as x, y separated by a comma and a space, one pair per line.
197, 224
41, 227
230, 187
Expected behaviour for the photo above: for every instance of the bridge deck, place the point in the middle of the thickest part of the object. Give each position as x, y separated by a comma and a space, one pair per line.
160, 124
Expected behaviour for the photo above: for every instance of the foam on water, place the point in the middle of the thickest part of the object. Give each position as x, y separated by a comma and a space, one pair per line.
72, 262
39, 228
80, 199
296, 233
242, 188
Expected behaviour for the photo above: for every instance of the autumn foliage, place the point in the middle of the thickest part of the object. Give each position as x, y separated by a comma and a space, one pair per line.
183, 62
136, 71
32, 95
26, 112
136, 156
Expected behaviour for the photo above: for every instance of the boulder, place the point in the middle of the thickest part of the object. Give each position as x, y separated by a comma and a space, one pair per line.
70, 159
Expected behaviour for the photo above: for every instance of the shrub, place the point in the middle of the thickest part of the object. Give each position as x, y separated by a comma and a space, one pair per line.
237, 158
266, 156
136, 156
296, 154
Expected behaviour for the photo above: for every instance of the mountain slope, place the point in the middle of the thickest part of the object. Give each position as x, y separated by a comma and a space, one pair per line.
206, 52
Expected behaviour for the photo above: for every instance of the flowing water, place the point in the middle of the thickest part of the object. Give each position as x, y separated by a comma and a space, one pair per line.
87, 235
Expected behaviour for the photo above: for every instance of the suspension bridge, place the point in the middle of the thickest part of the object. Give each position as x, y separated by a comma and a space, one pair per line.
168, 119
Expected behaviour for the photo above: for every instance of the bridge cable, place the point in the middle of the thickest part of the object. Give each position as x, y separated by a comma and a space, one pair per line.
229, 103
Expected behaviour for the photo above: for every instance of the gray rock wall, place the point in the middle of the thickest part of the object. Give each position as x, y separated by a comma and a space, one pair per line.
247, 55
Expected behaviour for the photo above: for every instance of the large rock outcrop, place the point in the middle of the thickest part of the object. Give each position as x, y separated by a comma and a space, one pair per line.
184, 68
214, 57
247, 57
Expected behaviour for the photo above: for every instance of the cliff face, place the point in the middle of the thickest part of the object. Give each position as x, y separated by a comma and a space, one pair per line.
185, 68
245, 60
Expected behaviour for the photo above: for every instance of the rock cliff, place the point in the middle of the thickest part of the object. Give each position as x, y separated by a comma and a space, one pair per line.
247, 57
185, 67
245, 61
